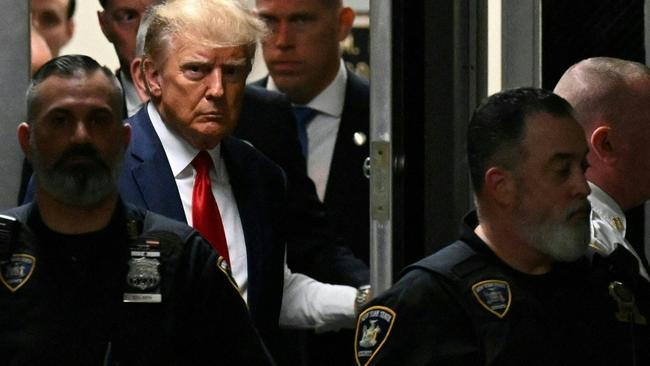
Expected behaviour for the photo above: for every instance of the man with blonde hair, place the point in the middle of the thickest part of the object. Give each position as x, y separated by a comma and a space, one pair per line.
183, 163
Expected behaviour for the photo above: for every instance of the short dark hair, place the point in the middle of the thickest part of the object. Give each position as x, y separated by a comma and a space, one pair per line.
72, 4
70, 66
335, 4
102, 3
498, 126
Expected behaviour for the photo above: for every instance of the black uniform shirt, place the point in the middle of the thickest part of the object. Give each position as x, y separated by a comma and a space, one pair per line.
464, 306
62, 299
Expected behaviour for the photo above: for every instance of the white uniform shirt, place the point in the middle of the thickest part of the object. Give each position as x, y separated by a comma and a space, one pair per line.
323, 129
608, 226
306, 303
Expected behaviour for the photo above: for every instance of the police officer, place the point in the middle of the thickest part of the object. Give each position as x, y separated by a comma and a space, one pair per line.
610, 97
88, 279
508, 292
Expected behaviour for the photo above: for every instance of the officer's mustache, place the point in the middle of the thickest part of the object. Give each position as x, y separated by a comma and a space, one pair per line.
86, 151
581, 207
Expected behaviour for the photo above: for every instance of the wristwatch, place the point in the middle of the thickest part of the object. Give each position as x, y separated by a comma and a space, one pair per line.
363, 296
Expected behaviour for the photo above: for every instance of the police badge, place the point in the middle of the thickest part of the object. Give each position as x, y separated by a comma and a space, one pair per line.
143, 277
17, 270
373, 327
493, 295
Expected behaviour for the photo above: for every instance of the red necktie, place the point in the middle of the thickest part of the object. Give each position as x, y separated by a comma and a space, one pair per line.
205, 212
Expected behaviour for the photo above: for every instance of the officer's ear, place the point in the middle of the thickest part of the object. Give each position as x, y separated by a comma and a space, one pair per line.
24, 132
602, 145
500, 185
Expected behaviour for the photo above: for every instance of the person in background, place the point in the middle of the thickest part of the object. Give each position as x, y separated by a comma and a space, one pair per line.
610, 97
119, 21
40, 52
331, 105
53, 20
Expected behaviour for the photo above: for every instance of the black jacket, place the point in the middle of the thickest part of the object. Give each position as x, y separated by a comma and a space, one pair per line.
66, 307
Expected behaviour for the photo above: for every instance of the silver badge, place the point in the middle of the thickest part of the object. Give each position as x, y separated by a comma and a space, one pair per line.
143, 274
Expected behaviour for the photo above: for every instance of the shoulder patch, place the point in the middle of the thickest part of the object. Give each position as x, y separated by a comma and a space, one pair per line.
494, 296
17, 270
373, 327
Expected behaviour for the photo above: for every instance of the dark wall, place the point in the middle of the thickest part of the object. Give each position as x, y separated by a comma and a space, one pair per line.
409, 60
575, 30
432, 79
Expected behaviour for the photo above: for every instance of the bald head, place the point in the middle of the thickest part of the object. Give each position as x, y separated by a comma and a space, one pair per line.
602, 89
611, 98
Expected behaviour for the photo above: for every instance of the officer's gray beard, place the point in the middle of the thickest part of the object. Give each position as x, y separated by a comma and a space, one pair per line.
564, 240
82, 186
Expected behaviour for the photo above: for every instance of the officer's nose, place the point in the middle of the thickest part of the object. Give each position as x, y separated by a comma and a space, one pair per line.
580, 186
80, 133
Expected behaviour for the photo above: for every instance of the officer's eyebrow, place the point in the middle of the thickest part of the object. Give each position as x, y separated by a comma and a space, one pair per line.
562, 157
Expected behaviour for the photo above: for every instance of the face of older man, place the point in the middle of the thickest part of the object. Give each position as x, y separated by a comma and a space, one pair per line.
552, 206
50, 18
119, 22
198, 90
76, 140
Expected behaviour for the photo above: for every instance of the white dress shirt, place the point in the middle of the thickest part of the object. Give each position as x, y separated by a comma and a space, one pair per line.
306, 303
323, 129
133, 102
608, 225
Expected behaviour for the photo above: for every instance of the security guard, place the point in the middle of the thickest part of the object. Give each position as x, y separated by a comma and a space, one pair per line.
87, 279
515, 289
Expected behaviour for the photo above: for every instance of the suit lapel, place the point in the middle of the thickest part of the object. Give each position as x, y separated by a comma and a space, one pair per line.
152, 169
348, 157
240, 173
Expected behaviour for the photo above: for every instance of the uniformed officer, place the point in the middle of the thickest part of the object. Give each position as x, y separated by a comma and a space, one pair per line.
610, 97
88, 279
510, 291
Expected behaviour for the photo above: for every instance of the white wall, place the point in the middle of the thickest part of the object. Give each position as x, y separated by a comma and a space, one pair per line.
88, 38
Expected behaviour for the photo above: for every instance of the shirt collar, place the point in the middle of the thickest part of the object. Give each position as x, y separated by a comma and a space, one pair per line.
606, 208
179, 152
133, 102
330, 100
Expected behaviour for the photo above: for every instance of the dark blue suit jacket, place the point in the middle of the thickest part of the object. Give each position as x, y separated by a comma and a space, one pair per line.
314, 247
259, 189
346, 200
